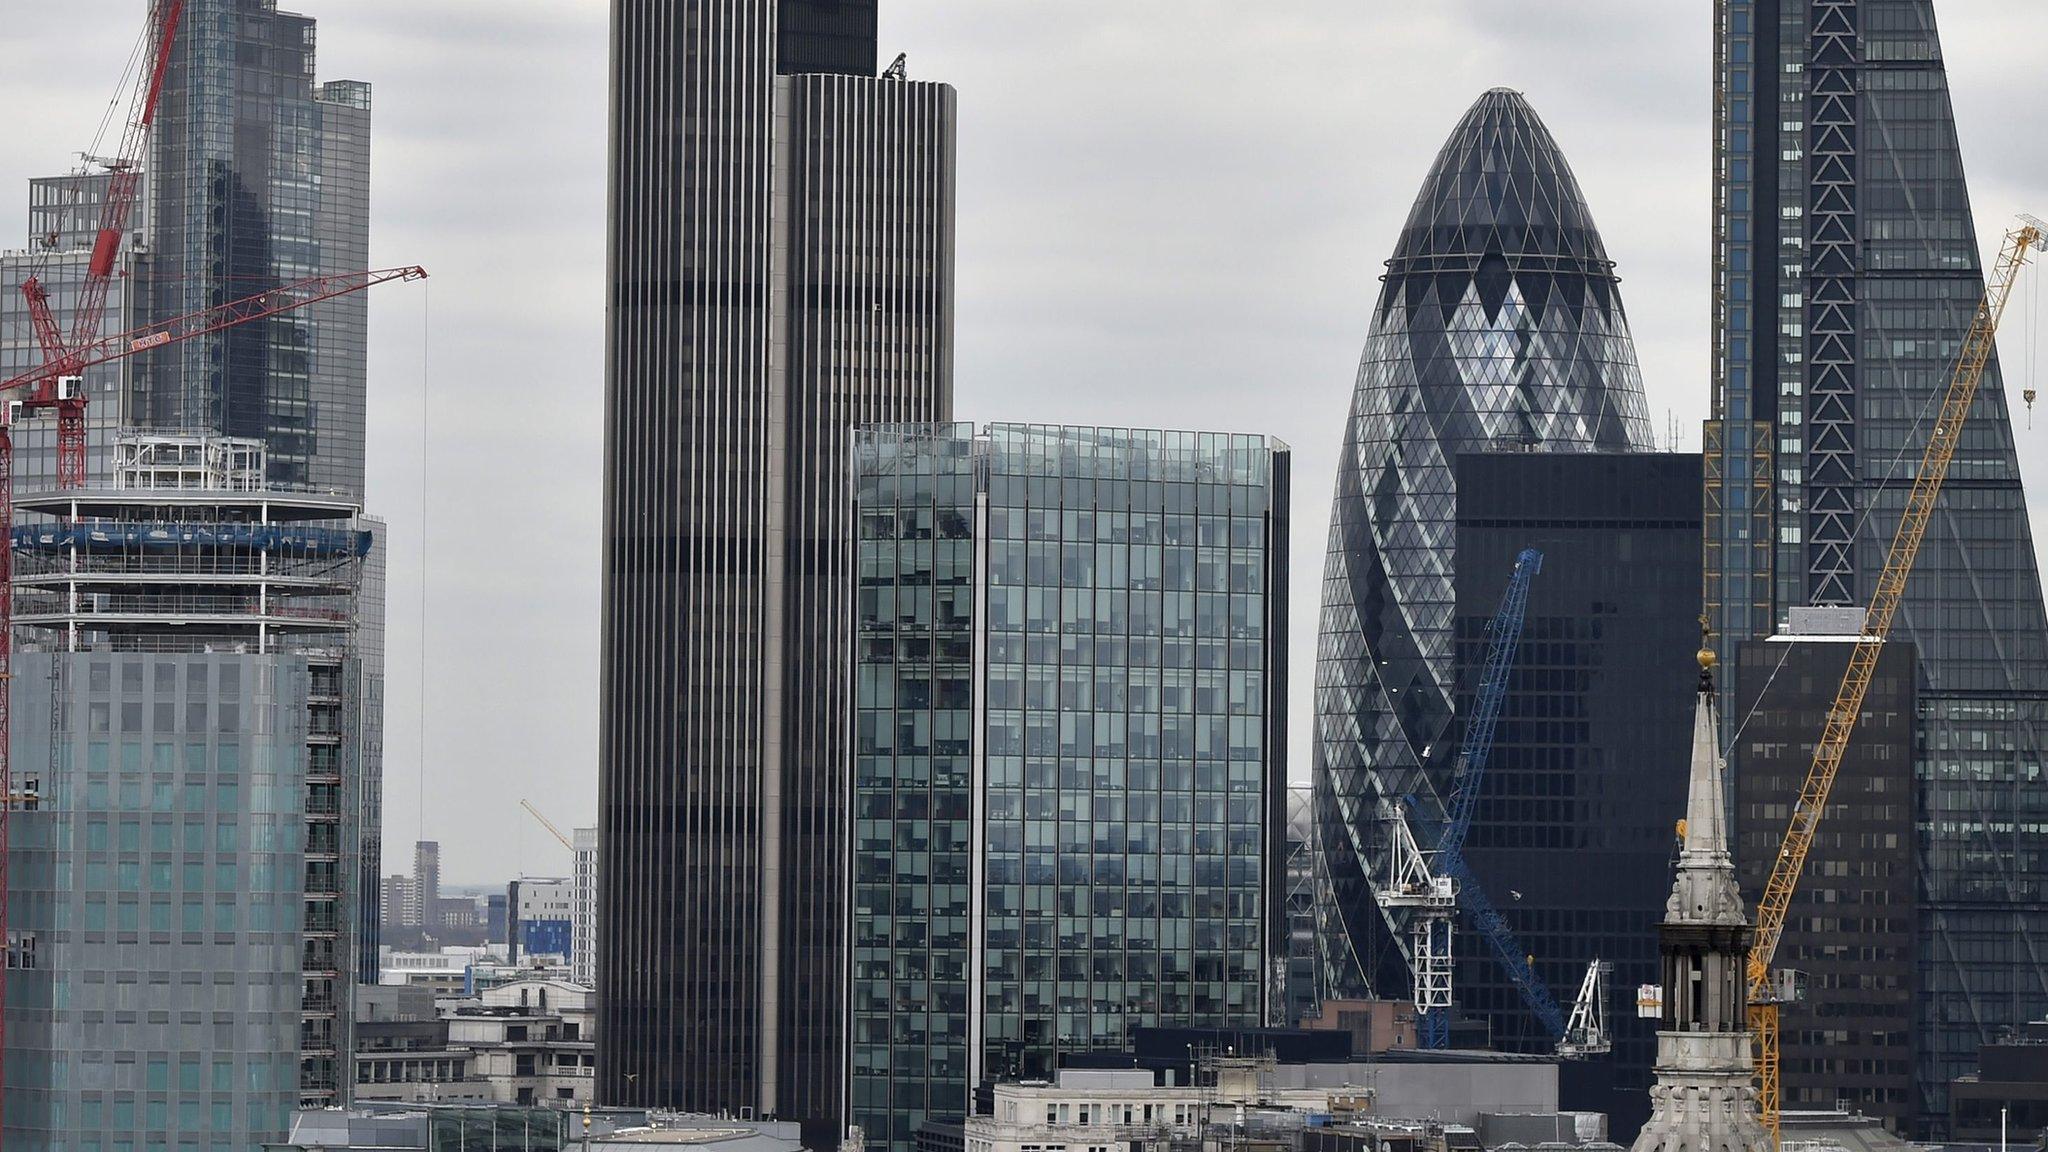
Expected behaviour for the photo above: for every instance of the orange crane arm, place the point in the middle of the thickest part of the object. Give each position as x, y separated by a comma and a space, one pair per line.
548, 824
1776, 903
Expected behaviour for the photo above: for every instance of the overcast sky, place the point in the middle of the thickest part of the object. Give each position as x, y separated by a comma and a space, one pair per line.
1172, 213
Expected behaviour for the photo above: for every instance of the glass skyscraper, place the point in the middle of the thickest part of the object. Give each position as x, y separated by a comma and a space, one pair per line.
1846, 275
1070, 761
1499, 328
780, 271
63, 218
259, 177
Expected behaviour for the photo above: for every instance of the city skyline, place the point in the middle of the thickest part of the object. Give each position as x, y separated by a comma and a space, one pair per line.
1261, 143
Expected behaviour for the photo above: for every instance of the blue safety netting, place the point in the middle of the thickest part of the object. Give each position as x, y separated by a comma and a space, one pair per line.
93, 535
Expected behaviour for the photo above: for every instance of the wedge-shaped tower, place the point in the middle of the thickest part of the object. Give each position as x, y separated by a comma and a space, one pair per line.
1499, 327
1847, 272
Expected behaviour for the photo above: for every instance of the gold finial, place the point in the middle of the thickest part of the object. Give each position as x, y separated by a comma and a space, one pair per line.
1707, 659
1706, 656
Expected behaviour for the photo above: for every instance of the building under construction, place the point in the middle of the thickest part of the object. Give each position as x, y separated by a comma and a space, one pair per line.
188, 712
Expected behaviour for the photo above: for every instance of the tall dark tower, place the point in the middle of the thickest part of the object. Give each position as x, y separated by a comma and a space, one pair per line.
1847, 275
780, 270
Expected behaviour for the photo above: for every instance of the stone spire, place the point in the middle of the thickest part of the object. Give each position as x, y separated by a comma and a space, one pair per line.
1705, 891
1704, 1099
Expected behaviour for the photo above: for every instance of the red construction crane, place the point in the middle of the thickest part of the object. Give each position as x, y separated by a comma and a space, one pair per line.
57, 389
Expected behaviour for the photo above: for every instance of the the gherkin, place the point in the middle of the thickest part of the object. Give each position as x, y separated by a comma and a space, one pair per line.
1499, 327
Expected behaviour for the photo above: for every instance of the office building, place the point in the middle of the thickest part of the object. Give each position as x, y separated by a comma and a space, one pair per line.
758, 169
1499, 327
63, 218
1572, 832
542, 918
529, 1041
259, 177
1070, 760
1854, 917
497, 918
583, 908
2005, 1097
187, 702
1847, 273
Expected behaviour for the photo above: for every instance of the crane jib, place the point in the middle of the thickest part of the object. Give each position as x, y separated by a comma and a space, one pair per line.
1828, 754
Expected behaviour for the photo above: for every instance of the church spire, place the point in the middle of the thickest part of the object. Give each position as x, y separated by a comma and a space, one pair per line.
1704, 1099
1705, 891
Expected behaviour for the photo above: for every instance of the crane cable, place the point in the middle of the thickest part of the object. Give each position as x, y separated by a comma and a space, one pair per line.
131, 74
426, 408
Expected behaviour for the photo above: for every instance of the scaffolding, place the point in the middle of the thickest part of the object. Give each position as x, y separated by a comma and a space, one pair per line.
185, 461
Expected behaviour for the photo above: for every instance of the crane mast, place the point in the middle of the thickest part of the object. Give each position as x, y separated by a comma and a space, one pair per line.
66, 393
1885, 598
61, 388
1434, 885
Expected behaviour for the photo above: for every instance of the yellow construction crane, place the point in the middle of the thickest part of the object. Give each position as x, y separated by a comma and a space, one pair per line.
1764, 999
547, 824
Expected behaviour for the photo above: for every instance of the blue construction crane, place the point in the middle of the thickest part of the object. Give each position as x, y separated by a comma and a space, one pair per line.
1467, 774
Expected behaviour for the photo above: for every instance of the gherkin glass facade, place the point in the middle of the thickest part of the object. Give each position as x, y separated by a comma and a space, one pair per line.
1499, 328
1847, 272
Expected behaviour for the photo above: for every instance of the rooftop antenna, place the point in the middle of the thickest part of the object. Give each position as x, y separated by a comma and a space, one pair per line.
899, 69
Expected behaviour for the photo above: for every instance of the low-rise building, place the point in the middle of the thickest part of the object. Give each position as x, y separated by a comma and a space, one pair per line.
517, 1128
2006, 1098
402, 1051
531, 1042
1441, 1101
489, 974
446, 971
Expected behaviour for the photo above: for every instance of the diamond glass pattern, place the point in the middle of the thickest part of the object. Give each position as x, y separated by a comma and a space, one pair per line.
1499, 327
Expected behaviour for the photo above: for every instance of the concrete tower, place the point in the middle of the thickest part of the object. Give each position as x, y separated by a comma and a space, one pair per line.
1704, 1100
